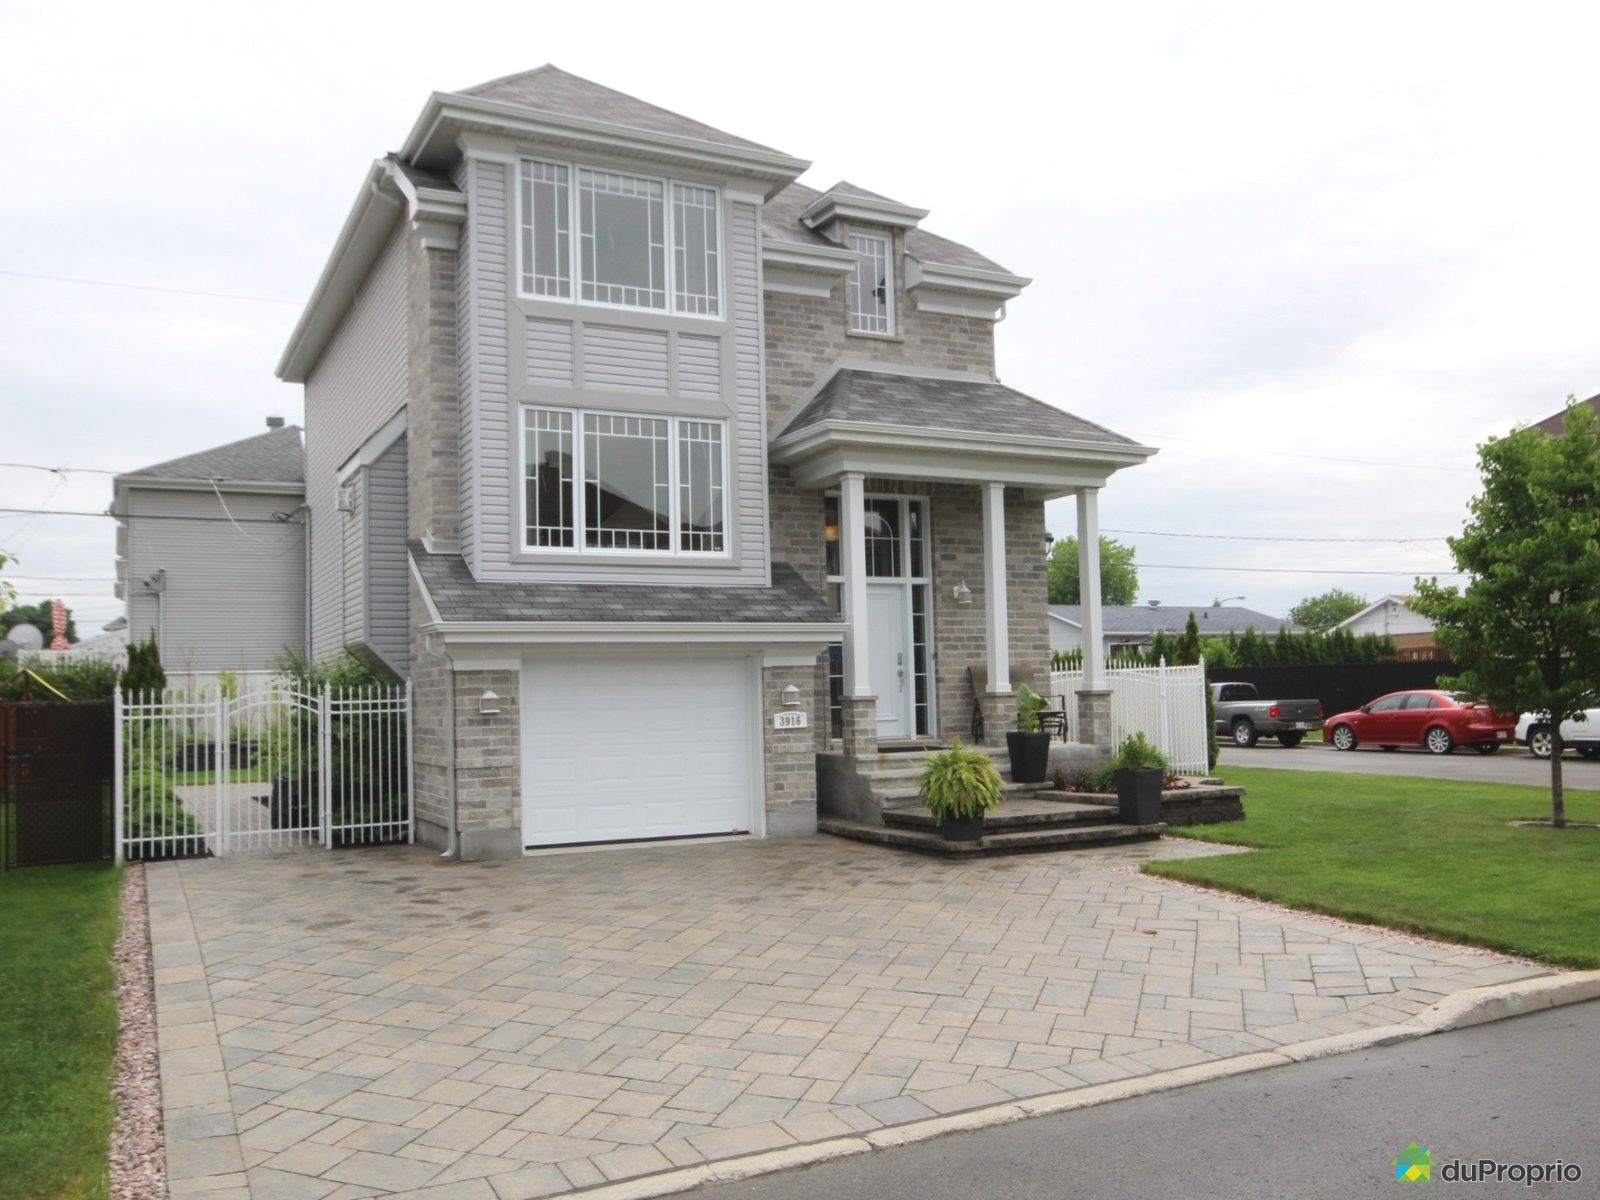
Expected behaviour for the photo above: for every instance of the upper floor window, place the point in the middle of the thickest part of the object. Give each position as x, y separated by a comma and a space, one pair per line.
872, 288
640, 242
596, 481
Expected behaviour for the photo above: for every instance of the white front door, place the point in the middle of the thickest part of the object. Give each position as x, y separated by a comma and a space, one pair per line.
887, 650
619, 749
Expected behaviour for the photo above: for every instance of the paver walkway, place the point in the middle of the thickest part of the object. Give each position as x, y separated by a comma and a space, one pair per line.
377, 1022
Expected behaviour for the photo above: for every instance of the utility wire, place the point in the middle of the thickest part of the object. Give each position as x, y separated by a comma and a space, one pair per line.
1355, 462
73, 512
1261, 537
1143, 566
146, 287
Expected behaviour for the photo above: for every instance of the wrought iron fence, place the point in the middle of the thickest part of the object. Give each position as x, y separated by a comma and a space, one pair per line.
269, 768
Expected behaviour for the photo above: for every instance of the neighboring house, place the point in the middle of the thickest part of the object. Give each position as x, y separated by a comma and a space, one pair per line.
211, 555
677, 473
1130, 627
1556, 422
109, 645
1393, 616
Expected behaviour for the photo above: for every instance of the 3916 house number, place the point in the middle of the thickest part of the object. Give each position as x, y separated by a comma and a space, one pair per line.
789, 720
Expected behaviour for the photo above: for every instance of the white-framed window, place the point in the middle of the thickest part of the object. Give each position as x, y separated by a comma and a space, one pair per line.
629, 483
872, 286
631, 241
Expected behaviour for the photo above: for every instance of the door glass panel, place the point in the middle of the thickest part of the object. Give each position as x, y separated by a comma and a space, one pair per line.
919, 657
882, 521
1414, 702
830, 535
1388, 704
917, 534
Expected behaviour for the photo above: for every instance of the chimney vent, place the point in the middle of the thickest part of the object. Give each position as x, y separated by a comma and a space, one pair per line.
274, 422
1153, 603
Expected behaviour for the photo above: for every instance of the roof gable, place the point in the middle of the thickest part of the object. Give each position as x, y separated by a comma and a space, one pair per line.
276, 456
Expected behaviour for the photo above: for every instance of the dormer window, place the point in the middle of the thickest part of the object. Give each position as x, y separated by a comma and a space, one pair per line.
640, 242
872, 287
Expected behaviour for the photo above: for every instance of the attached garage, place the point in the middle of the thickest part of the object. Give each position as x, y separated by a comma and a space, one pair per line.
638, 747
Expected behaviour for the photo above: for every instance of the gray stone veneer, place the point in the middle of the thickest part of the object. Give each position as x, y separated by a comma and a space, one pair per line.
1094, 719
790, 766
860, 725
432, 410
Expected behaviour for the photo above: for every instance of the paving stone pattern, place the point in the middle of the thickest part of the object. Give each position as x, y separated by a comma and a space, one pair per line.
376, 1022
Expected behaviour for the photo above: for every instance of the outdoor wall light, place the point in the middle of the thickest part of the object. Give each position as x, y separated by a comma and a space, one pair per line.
791, 696
962, 593
488, 705
830, 532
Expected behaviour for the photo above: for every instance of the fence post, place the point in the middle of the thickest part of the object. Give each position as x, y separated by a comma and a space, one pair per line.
1166, 711
116, 775
219, 768
325, 763
411, 798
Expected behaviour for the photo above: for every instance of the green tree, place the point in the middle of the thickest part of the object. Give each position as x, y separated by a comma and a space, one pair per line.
1526, 629
1318, 614
8, 593
144, 675
1119, 578
37, 615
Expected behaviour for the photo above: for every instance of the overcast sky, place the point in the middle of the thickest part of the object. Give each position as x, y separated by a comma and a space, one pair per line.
1314, 255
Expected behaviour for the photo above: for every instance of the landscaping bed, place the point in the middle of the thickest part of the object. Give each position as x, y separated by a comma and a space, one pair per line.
1427, 856
1201, 803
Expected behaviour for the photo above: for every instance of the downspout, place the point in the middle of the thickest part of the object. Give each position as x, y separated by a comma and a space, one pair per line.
306, 509
453, 834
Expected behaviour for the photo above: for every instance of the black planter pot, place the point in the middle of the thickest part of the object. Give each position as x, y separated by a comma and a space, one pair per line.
1139, 796
961, 829
1030, 756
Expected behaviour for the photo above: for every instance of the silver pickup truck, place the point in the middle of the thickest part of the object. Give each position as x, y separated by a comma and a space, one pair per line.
1245, 717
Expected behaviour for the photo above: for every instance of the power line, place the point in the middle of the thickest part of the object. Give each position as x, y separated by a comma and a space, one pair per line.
61, 578
1258, 537
1285, 570
59, 470
1355, 462
73, 512
146, 287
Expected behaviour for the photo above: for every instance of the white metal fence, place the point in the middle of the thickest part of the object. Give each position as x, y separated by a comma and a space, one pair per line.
269, 768
1166, 704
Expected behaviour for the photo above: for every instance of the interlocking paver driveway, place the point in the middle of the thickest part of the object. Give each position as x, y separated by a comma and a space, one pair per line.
377, 1022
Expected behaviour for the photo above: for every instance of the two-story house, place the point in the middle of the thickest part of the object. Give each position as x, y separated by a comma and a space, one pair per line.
701, 472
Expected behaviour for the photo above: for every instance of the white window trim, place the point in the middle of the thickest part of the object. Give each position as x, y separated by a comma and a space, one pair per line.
574, 250
580, 489
888, 284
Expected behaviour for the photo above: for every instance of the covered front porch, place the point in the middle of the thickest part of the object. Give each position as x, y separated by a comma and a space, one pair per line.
934, 550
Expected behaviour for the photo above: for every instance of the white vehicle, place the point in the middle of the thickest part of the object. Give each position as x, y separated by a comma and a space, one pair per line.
1533, 731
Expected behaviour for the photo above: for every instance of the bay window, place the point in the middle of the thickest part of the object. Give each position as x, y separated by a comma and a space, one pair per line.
633, 241
603, 482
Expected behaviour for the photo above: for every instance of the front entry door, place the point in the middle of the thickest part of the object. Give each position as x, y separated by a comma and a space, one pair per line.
891, 674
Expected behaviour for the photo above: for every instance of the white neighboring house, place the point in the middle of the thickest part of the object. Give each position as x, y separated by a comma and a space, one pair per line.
211, 554
1393, 616
110, 645
1130, 627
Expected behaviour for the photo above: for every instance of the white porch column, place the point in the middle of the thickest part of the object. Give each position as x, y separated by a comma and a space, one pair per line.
1094, 646
853, 564
995, 625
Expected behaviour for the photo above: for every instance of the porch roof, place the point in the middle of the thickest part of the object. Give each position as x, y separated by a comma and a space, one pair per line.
947, 427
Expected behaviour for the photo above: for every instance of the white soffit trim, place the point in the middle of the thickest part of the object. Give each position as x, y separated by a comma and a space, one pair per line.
148, 483
792, 445
601, 633
422, 586
833, 206
801, 270
390, 432
961, 291
432, 141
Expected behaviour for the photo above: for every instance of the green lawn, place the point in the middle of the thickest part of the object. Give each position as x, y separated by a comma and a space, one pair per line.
58, 1030
1422, 855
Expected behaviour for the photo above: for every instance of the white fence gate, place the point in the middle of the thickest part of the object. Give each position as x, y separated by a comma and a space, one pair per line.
1166, 704
269, 768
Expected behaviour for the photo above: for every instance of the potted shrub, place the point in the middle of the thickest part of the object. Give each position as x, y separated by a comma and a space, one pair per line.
959, 786
1139, 770
1028, 745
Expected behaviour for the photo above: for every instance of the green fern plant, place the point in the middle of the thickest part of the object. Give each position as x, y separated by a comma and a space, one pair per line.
1135, 753
960, 783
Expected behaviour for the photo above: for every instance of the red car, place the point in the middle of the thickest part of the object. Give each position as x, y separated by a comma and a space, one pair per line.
1437, 721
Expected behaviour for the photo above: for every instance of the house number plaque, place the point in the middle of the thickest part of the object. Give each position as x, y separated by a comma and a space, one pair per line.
789, 720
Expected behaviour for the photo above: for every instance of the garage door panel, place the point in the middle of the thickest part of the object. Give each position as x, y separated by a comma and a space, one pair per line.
617, 749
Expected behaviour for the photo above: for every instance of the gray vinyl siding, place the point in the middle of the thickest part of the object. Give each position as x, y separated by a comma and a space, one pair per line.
235, 595
517, 351
352, 599
358, 384
384, 520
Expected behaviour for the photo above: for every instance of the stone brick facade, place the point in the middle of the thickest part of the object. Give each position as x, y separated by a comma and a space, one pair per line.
433, 415
430, 733
489, 765
1094, 718
860, 725
790, 755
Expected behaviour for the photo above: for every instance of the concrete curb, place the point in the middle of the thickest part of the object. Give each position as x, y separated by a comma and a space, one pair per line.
1476, 1006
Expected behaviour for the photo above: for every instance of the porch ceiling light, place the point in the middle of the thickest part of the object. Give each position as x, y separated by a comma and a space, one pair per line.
791, 696
962, 593
488, 705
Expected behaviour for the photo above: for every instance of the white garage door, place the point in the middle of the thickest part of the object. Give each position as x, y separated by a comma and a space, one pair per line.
618, 749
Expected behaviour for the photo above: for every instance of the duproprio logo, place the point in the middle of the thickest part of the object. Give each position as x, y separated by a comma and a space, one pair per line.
1415, 1163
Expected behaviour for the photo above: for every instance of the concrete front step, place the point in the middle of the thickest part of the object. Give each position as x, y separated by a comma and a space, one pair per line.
902, 794
1070, 837
1026, 812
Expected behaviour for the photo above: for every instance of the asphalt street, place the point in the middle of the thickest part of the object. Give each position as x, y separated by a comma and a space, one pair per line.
1511, 764
1522, 1091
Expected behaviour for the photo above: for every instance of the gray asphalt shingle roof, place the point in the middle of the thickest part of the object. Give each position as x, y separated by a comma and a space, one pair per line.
550, 89
970, 405
1173, 618
276, 456
780, 220
459, 597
